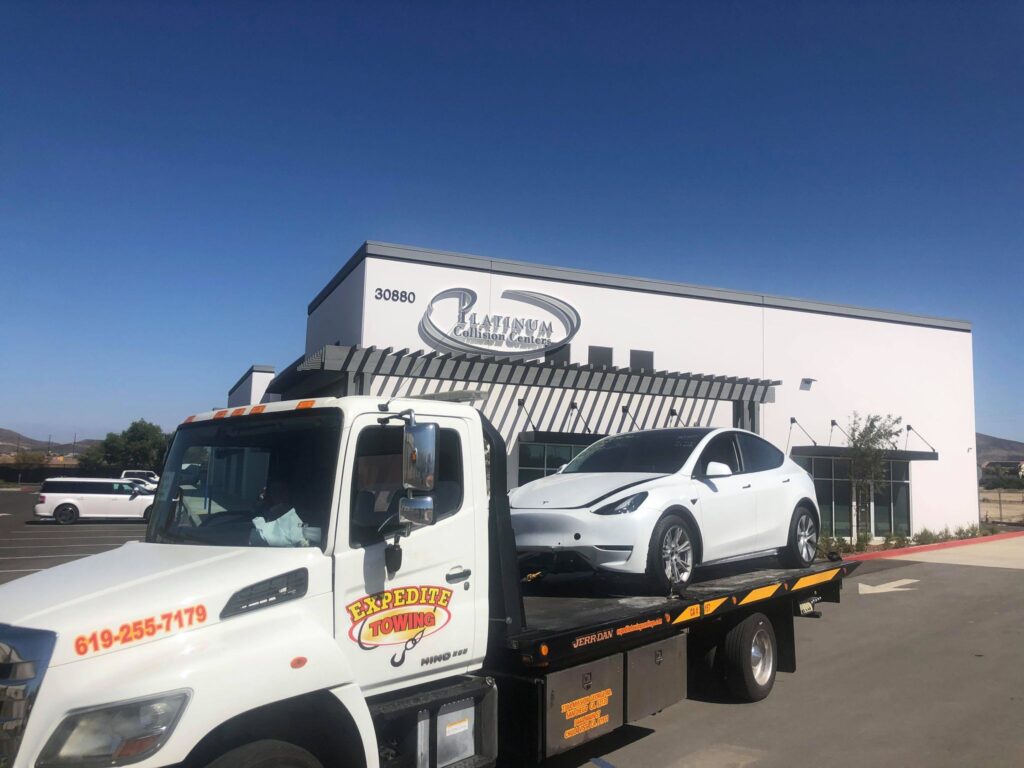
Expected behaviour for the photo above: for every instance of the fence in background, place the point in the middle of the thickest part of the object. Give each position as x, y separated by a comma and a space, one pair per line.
1001, 506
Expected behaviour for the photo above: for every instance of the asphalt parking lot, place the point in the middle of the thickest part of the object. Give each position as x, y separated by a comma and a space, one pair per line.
28, 545
919, 666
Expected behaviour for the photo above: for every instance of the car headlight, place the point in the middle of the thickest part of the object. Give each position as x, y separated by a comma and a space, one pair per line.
628, 504
114, 734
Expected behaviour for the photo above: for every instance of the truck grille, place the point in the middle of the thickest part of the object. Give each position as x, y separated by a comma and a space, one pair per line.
24, 656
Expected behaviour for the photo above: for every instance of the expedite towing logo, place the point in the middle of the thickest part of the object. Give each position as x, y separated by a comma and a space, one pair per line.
399, 616
517, 336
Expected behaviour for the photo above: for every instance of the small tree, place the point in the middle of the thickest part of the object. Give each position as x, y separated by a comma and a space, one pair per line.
141, 446
870, 436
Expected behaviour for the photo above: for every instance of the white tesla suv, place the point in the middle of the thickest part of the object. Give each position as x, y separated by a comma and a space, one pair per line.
665, 501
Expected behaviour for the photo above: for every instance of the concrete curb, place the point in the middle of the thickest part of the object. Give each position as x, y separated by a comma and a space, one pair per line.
930, 547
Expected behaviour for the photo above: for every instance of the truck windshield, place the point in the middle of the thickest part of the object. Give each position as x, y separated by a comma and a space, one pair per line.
662, 451
250, 481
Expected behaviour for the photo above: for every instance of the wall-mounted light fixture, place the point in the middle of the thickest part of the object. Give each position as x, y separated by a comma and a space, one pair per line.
805, 384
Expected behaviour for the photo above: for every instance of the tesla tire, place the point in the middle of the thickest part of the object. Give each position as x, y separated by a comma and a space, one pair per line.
670, 556
803, 539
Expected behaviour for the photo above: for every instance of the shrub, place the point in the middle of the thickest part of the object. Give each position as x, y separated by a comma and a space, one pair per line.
987, 529
863, 539
887, 542
968, 532
925, 536
900, 542
944, 534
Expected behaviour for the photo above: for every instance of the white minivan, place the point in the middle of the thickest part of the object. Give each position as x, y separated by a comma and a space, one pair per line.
67, 499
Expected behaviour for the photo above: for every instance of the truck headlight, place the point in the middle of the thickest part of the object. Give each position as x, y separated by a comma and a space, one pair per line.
628, 504
114, 734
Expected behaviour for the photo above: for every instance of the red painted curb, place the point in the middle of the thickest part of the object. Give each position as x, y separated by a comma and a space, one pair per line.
929, 547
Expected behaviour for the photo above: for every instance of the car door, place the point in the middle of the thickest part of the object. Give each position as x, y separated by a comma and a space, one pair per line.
728, 504
762, 464
120, 502
421, 621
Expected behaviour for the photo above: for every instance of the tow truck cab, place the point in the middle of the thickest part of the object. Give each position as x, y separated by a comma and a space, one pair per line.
334, 582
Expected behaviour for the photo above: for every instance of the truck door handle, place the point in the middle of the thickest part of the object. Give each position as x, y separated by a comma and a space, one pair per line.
746, 486
455, 575
786, 480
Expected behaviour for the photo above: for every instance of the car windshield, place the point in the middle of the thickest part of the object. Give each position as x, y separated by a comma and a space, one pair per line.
256, 481
662, 451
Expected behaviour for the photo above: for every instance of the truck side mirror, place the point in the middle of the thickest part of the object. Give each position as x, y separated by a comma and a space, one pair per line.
417, 511
419, 456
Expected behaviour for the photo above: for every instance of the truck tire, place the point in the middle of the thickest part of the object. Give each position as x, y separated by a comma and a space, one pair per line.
802, 547
267, 753
65, 514
671, 556
749, 658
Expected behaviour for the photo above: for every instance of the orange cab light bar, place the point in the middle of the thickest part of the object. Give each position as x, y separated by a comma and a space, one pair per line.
257, 409
305, 404
220, 414
238, 412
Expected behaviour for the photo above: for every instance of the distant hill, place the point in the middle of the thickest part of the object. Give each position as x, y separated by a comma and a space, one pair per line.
998, 449
9, 441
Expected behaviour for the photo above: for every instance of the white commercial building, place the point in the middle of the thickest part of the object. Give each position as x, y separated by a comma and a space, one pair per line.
555, 357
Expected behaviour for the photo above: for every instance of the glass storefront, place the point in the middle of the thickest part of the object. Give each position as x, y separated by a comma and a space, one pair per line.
890, 508
538, 460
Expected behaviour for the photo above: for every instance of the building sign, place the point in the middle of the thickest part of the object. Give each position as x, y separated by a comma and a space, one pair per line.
451, 323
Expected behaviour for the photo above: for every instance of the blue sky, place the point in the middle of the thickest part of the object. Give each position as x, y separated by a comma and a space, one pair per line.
177, 181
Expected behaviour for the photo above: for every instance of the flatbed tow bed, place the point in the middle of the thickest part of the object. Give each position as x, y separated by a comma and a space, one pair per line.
569, 629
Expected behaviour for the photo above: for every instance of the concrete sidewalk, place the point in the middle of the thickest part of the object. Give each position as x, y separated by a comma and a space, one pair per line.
1003, 553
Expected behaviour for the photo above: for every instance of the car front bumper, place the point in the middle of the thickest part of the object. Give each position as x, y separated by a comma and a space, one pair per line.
615, 543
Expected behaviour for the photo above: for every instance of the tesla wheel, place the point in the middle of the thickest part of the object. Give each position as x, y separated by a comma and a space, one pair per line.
145, 515
803, 539
267, 753
65, 514
750, 658
670, 557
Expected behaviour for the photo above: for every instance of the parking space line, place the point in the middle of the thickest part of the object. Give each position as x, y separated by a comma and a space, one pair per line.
38, 557
58, 546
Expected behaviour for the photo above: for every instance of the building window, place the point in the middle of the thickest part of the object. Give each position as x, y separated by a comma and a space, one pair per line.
639, 358
560, 355
890, 507
537, 460
600, 356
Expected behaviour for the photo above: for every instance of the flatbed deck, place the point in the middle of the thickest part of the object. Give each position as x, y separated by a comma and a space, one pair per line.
567, 621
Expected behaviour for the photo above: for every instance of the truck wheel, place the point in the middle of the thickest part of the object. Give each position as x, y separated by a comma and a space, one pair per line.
670, 556
65, 514
750, 657
803, 539
267, 753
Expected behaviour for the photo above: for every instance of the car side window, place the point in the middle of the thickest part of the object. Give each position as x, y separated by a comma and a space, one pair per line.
723, 450
377, 482
759, 455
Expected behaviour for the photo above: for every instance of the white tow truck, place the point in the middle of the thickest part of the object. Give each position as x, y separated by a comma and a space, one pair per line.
334, 582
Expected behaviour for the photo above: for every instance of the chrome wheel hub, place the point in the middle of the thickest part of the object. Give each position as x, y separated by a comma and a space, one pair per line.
762, 656
677, 555
806, 538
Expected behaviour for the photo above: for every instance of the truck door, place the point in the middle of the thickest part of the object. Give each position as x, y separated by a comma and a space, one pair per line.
420, 621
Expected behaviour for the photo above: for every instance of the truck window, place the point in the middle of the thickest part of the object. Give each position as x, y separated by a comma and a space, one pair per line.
377, 482
257, 481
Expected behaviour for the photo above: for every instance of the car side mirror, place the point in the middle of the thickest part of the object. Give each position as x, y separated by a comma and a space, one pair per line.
419, 456
717, 469
417, 511
135, 492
